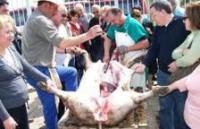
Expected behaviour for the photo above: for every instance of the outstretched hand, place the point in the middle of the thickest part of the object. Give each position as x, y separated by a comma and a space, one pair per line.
95, 31
161, 90
48, 86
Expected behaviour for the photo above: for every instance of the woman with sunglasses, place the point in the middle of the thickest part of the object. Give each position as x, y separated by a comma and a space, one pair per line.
186, 57
188, 53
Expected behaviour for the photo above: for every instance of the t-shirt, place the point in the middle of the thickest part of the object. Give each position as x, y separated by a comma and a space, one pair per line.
131, 26
192, 105
40, 37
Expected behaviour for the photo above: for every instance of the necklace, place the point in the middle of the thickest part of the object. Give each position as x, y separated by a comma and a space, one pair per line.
9, 59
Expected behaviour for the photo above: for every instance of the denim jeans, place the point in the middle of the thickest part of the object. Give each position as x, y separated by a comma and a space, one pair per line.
171, 106
68, 77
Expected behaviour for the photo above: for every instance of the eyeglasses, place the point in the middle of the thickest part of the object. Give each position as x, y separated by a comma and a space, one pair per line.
95, 12
64, 15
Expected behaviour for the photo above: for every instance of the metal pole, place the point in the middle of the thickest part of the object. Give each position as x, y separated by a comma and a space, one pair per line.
29, 8
116, 3
127, 2
132, 3
122, 5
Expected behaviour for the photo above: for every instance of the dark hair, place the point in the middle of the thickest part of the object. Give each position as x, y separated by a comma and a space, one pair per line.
115, 11
137, 7
136, 13
162, 5
72, 13
193, 14
3, 2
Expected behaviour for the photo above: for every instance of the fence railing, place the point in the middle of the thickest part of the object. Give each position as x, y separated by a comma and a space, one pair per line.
21, 9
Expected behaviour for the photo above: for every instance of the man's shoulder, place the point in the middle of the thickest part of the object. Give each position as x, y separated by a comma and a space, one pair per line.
38, 18
132, 23
131, 20
112, 27
178, 21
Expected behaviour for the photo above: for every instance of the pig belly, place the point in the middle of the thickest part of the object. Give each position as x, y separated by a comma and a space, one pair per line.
83, 107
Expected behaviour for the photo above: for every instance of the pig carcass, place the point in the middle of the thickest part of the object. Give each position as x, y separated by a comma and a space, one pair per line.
103, 96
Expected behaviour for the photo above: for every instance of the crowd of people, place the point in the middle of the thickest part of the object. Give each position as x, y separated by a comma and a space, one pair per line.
54, 39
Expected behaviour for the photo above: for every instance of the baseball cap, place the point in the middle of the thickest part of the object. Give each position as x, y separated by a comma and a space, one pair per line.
57, 2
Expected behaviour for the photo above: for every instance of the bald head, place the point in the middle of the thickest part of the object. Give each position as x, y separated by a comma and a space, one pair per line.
61, 16
103, 11
96, 10
79, 8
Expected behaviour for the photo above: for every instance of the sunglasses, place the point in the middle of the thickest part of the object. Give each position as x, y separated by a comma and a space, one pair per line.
64, 15
95, 12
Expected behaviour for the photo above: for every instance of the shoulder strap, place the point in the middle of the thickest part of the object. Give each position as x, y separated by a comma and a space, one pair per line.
191, 42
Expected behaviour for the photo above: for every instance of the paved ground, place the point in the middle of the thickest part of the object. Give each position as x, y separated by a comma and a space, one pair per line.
37, 121
35, 111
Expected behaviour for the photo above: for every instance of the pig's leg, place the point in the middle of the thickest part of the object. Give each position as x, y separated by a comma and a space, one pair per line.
88, 61
64, 118
64, 95
139, 97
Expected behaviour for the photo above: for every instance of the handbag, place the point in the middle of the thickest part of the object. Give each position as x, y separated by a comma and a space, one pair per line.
183, 71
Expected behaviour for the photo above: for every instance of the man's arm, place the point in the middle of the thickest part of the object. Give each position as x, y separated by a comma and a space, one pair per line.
143, 44
49, 33
77, 40
107, 45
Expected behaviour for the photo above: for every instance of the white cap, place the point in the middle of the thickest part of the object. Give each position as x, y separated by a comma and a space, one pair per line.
57, 2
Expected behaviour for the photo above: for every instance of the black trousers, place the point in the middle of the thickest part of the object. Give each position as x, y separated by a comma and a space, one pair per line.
19, 114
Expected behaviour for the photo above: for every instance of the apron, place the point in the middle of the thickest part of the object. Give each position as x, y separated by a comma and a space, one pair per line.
138, 79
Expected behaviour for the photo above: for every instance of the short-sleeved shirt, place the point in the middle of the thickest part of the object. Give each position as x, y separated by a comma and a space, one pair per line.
40, 37
131, 26
192, 105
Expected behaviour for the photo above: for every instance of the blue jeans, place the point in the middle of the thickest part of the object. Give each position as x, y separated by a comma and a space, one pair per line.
171, 106
68, 76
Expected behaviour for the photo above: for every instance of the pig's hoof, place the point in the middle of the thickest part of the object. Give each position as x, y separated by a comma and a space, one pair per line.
43, 86
160, 90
